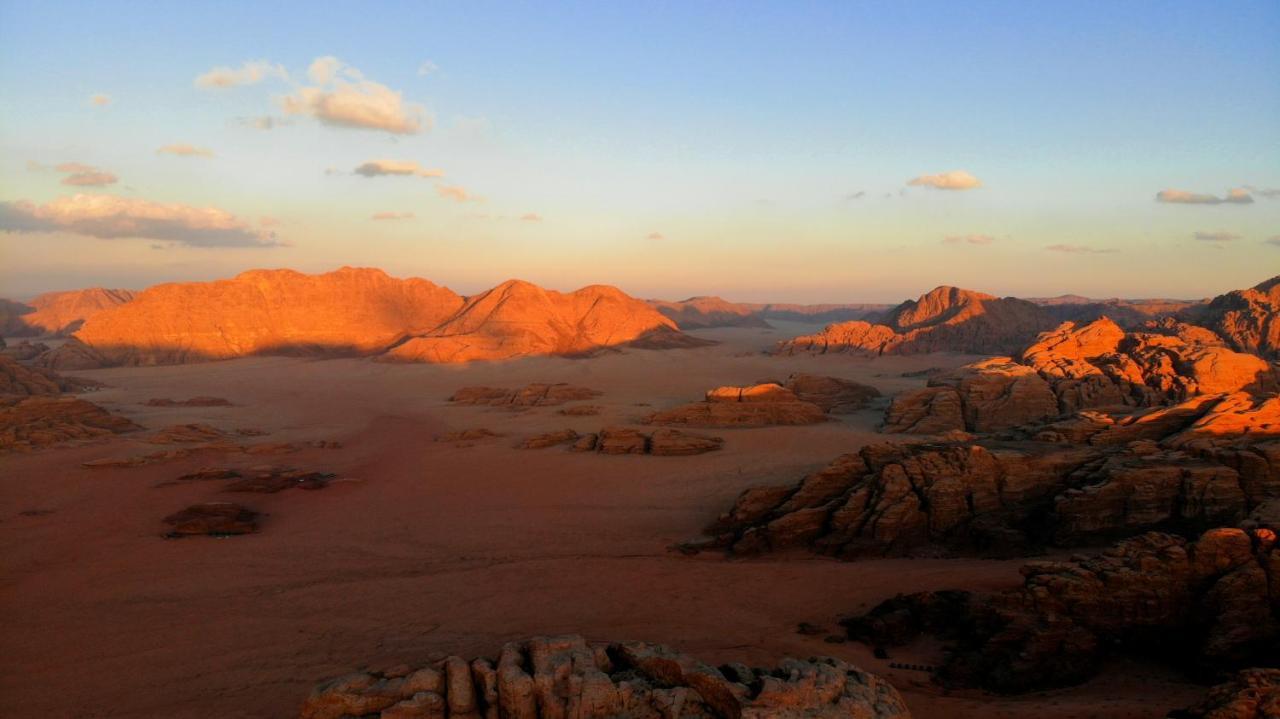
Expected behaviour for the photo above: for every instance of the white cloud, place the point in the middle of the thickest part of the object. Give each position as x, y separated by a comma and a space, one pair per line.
376, 168
80, 175
1218, 237
427, 67
456, 193
342, 97
968, 239
953, 180
184, 150
1079, 249
1238, 196
111, 217
251, 72
100, 100
392, 216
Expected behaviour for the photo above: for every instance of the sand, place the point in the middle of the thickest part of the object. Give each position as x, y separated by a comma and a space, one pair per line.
427, 547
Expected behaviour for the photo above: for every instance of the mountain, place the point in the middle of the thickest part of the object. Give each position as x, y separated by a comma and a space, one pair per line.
698, 313
518, 319
705, 312
58, 313
348, 311
1249, 320
359, 311
946, 319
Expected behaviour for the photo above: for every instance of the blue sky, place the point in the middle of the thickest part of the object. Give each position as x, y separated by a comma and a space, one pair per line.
671, 149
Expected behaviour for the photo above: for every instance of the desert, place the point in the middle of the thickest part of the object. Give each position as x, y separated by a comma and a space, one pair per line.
459, 506
580, 360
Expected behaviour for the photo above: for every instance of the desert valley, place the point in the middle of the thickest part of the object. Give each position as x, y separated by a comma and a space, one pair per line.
349, 494
601, 360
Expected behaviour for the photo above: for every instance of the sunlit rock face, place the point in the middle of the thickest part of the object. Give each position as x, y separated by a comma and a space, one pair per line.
355, 311
61, 313
1074, 368
947, 319
565, 676
1249, 320
519, 319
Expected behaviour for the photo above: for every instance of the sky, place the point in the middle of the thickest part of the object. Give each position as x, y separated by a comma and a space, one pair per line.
784, 151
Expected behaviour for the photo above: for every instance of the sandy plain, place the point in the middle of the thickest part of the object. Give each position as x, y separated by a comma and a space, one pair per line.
432, 547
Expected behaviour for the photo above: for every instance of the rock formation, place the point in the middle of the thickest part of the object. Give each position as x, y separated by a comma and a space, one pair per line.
1249, 320
1250, 694
566, 677
530, 395
28, 423
519, 319
216, 519
348, 311
698, 313
1207, 605
1198, 464
61, 313
947, 319
19, 379
625, 440
25, 350
802, 399
706, 312
1072, 368
190, 402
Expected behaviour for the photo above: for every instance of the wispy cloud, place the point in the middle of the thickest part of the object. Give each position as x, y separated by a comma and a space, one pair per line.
342, 97
1238, 196
531, 217
1273, 240
111, 217
264, 122
100, 100
1080, 249
655, 236
953, 180
378, 168
1270, 193
968, 239
250, 72
427, 67
80, 175
184, 150
856, 195
392, 216
456, 193
1218, 237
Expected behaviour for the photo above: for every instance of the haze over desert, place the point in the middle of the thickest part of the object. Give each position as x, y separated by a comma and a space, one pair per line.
582, 361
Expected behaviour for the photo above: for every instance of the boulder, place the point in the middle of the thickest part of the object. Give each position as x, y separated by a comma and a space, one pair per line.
213, 519
28, 423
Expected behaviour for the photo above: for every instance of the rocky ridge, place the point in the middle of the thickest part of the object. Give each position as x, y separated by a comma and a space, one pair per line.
565, 676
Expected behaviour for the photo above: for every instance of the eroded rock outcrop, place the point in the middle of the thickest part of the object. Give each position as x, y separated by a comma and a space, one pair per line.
215, 519
1250, 694
1202, 463
566, 677
1073, 368
22, 380
947, 319
1249, 320
530, 395
625, 440
1207, 605
202, 401
28, 423
804, 399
